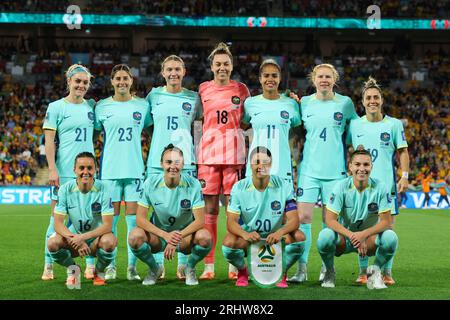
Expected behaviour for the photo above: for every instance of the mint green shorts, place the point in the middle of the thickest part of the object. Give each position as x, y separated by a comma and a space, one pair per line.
128, 190
309, 189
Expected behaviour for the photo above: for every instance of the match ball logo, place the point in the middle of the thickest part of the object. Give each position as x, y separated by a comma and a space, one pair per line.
284, 114
186, 106
137, 116
185, 204
266, 253
338, 116
235, 100
385, 137
91, 115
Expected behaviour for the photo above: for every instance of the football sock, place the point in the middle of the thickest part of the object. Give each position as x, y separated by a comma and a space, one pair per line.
293, 252
63, 257
131, 224
104, 258
144, 253
197, 254
326, 244
211, 226
182, 258
387, 243
50, 231
306, 229
234, 256
114, 231
363, 264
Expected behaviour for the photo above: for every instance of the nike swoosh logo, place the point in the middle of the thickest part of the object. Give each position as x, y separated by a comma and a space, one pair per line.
107, 117
70, 208
309, 115
248, 209
158, 203
158, 103
67, 117
206, 100
257, 113
359, 135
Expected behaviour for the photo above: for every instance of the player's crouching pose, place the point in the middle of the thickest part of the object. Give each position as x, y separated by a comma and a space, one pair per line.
87, 203
254, 200
177, 203
363, 207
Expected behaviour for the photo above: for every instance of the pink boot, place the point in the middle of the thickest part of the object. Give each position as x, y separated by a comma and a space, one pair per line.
283, 283
242, 278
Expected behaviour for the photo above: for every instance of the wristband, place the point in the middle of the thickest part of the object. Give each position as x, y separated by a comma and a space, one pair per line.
405, 174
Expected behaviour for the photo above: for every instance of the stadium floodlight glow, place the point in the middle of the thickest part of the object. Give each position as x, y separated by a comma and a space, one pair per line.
228, 22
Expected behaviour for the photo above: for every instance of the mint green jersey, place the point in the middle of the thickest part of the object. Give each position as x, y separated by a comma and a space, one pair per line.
122, 124
74, 126
85, 210
325, 122
382, 139
358, 211
271, 121
173, 115
172, 208
262, 212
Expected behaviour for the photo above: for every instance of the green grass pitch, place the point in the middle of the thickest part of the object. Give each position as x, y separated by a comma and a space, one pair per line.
420, 267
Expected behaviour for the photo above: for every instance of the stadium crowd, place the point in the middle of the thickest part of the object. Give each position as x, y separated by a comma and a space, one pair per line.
418, 9
424, 109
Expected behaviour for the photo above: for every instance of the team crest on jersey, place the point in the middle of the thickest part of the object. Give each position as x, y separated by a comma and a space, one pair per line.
91, 115
385, 137
185, 204
338, 116
137, 116
96, 207
372, 207
235, 100
55, 191
186, 106
202, 183
284, 114
275, 205
299, 192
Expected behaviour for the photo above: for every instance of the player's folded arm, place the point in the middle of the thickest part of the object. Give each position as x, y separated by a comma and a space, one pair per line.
198, 222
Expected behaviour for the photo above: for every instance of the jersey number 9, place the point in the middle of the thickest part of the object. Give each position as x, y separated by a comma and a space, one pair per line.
172, 221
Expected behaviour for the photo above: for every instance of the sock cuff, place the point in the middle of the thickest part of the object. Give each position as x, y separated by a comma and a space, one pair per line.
225, 248
305, 226
199, 247
107, 254
211, 218
142, 248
